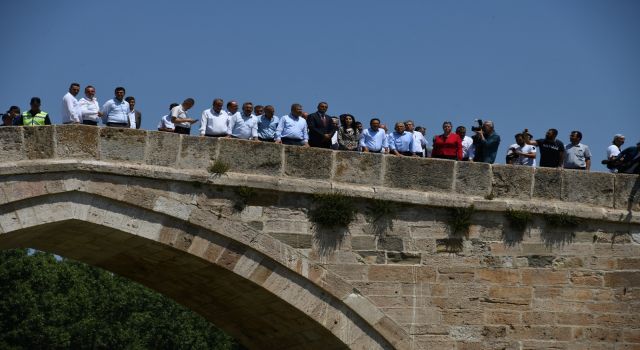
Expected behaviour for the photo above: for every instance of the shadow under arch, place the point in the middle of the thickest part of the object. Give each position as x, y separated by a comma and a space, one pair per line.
242, 290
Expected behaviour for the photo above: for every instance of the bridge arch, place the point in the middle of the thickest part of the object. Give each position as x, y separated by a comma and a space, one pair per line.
262, 292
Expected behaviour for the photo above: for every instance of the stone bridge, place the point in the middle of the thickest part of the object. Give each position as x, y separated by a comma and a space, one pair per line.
550, 258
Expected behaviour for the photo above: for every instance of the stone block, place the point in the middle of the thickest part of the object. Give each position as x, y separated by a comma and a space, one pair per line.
295, 240
510, 181
162, 148
473, 178
244, 156
77, 141
588, 188
310, 163
419, 173
11, 147
197, 152
627, 192
547, 183
122, 144
622, 279
358, 167
38, 142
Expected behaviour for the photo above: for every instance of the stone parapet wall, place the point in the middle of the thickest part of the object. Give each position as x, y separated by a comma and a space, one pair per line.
537, 286
459, 179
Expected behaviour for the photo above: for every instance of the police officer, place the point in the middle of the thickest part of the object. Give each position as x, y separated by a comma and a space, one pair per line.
34, 116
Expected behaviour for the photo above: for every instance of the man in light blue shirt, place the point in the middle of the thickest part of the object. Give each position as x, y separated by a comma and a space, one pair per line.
292, 128
373, 139
115, 112
401, 142
244, 125
267, 125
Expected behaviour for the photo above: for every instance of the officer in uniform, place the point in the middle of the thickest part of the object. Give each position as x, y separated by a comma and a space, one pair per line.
34, 116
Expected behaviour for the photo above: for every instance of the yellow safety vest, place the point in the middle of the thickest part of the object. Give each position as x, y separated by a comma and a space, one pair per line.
38, 119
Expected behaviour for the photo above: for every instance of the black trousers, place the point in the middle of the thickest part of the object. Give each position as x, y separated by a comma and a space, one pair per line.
182, 130
89, 122
295, 142
118, 125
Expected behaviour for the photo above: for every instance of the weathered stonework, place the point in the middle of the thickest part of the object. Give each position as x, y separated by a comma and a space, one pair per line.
267, 276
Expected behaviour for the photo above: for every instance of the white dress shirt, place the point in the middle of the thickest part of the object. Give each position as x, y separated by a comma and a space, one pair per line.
214, 123
243, 126
70, 109
89, 109
468, 149
165, 122
180, 113
132, 119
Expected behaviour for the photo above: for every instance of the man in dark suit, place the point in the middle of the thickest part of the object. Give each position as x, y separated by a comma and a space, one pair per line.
321, 127
138, 115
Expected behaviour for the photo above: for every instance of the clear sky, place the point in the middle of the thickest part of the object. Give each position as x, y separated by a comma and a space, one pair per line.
533, 64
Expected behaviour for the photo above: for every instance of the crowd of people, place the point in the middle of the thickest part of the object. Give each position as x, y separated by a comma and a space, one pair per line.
318, 129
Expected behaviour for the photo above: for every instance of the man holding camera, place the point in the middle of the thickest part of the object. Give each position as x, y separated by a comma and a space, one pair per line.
486, 143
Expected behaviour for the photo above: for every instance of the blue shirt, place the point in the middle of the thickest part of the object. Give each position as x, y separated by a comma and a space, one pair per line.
114, 111
267, 127
487, 149
401, 142
293, 128
373, 140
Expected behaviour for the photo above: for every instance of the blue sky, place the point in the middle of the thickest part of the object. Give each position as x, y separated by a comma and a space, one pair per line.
537, 64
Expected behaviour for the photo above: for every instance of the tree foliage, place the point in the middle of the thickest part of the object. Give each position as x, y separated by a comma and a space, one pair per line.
49, 303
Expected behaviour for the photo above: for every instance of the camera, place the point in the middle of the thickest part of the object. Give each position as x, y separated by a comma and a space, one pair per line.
479, 127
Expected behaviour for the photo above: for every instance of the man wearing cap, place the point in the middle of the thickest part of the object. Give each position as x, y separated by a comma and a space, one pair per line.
614, 149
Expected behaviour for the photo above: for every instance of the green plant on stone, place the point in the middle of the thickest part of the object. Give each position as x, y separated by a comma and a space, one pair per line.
460, 220
380, 210
451, 245
244, 194
218, 168
380, 215
518, 219
561, 220
332, 210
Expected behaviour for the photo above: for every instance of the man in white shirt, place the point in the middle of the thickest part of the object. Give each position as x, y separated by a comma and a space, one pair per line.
243, 125
165, 122
70, 108
135, 116
468, 149
180, 118
419, 142
214, 121
334, 138
89, 107
614, 149
521, 153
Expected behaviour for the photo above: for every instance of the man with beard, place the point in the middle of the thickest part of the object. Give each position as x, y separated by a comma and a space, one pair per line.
551, 149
